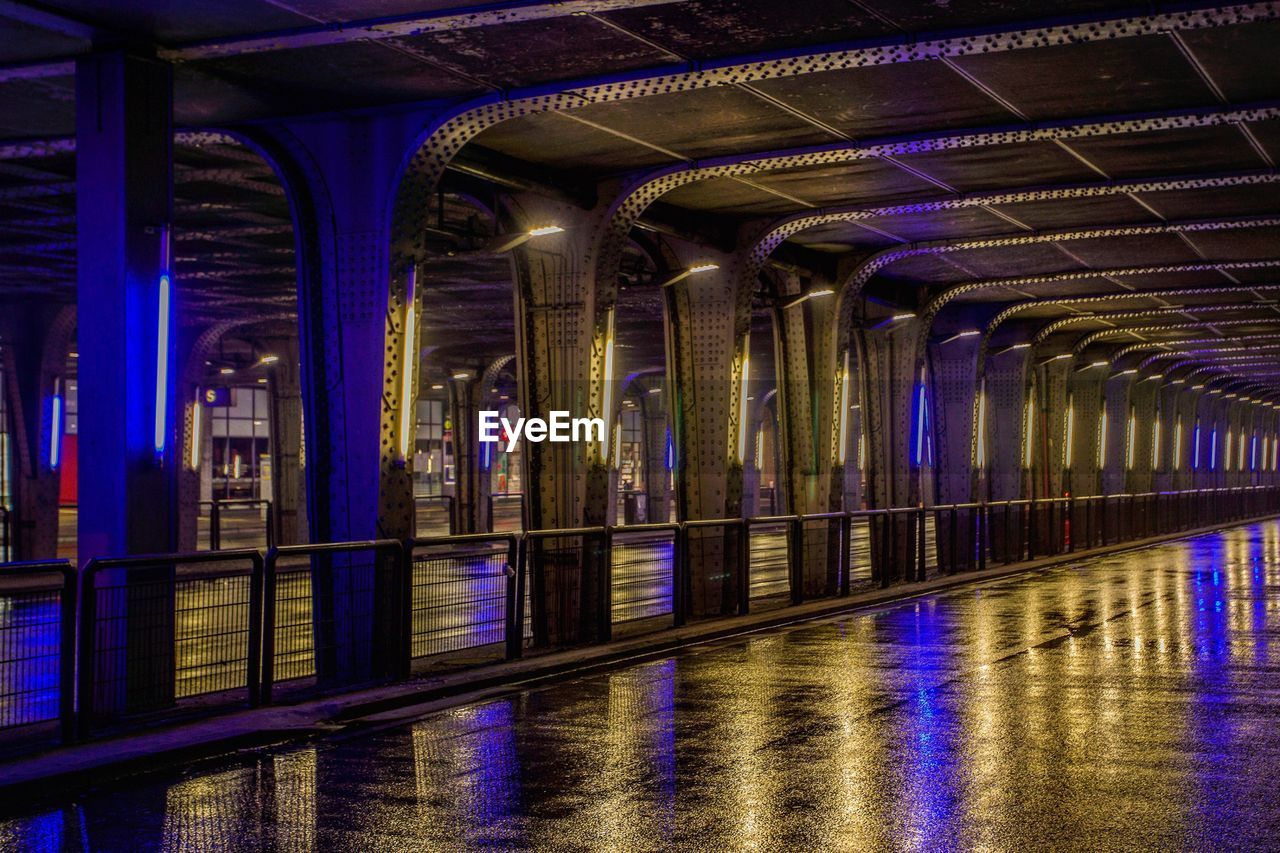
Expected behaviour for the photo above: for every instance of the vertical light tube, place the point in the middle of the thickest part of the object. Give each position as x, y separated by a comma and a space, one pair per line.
759, 449
1213, 448
193, 461
1240, 452
162, 364
608, 386
617, 445
1130, 429
981, 426
407, 366
844, 410
1275, 453
1069, 443
1226, 455
862, 450
1029, 430
1195, 447
55, 427
1155, 445
921, 402
742, 400
1177, 443
1253, 453
1102, 438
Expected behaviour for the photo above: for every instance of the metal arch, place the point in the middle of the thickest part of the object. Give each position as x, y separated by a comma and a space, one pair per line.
644, 190
1094, 337
1129, 349
441, 141
793, 225
1143, 314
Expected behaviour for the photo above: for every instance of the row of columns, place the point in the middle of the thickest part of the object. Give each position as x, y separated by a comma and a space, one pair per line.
362, 284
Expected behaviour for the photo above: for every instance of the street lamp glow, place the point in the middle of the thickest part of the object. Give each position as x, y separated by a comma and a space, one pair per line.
967, 333
269, 359
697, 268
826, 291
544, 230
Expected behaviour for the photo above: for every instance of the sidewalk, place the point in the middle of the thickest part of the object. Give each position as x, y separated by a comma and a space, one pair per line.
64, 770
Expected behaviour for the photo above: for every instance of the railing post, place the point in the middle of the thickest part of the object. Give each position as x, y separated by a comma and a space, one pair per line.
404, 583
795, 559
516, 579
984, 535
268, 624
67, 656
679, 597
744, 567
253, 660
604, 596
271, 525
88, 652
846, 544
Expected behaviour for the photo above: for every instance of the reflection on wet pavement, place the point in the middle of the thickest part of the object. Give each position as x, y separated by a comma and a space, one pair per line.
1129, 701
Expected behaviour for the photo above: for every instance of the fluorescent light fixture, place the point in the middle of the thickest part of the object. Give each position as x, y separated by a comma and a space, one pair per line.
1102, 363
967, 333
544, 230
408, 362
1195, 447
608, 385
742, 398
843, 392
655, 390
1069, 442
1155, 444
1177, 381
1196, 387
1060, 356
1177, 442
226, 371
1132, 428
981, 426
262, 380
197, 410
55, 429
162, 349
74, 354
269, 359
1029, 430
685, 273
1102, 439
904, 316
1129, 372
1014, 347
462, 376
437, 387
826, 291
1154, 376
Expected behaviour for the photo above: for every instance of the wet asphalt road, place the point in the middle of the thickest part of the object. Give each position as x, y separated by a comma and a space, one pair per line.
1127, 702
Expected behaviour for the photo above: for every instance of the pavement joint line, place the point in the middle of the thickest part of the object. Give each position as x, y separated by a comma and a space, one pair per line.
28, 780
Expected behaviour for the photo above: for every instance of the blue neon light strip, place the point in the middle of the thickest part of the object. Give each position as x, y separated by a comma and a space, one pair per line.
1213, 450
162, 363
55, 434
920, 424
1195, 452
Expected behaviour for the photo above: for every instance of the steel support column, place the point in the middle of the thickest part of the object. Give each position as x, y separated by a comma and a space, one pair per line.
471, 471
288, 487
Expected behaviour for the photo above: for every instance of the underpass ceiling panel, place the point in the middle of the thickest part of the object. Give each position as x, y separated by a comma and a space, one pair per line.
726, 195
1244, 244
1029, 164
319, 79
860, 182
1058, 214
1120, 76
1241, 59
553, 140
1004, 261
1216, 202
915, 15
1189, 150
1134, 250
712, 28
20, 42
842, 237
531, 52
705, 122
168, 21
885, 100
959, 223
43, 107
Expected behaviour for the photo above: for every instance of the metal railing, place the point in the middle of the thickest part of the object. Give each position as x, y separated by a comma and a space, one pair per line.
37, 645
434, 515
247, 521
161, 630
206, 630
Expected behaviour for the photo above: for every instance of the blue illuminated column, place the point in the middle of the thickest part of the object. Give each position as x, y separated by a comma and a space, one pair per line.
124, 195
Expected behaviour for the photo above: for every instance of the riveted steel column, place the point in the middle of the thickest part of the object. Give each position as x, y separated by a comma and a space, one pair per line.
1143, 398
471, 476
804, 342
1112, 475
953, 370
565, 362
657, 476
707, 321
